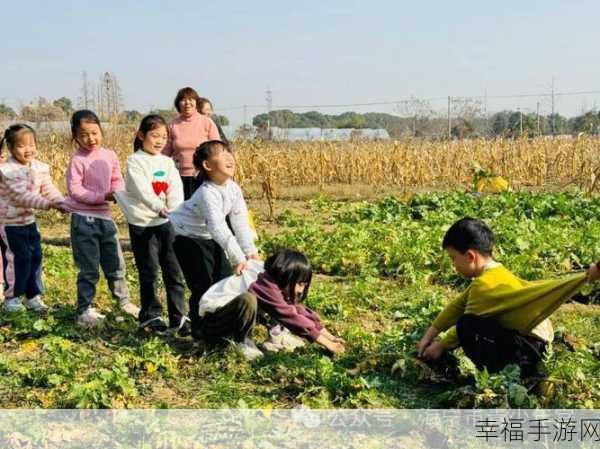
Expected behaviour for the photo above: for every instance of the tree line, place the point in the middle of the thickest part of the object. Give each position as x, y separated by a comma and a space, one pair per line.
469, 125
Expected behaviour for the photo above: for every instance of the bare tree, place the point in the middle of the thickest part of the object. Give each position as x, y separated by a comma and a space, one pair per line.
421, 116
468, 116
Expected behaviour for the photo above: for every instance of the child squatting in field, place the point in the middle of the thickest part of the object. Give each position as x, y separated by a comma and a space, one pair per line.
499, 319
273, 291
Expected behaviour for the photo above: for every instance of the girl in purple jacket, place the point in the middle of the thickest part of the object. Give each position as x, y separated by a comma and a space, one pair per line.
230, 307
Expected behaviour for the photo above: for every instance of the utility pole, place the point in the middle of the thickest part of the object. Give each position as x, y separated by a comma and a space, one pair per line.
520, 120
415, 125
269, 98
449, 119
245, 114
553, 114
537, 115
485, 111
107, 95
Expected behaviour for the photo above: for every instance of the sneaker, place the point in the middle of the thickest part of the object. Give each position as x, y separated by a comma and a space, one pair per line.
249, 350
36, 304
130, 308
282, 339
155, 324
183, 329
90, 318
13, 305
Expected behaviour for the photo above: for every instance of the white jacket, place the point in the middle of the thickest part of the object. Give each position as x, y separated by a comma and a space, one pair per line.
204, 216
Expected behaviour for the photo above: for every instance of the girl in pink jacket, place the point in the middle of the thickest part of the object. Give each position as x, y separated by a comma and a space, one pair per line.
93, 176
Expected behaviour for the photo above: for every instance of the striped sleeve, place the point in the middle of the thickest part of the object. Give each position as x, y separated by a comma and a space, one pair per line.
48, 189
20, 194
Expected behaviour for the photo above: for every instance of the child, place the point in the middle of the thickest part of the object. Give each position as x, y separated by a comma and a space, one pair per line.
153, 190
204, 244
499, 319
93, 176
25, 185
229, 308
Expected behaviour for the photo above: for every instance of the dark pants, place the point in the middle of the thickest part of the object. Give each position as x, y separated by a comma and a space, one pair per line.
21, 260
490, 345
203, 263
95, 244
189, 186
153, 249
235, 320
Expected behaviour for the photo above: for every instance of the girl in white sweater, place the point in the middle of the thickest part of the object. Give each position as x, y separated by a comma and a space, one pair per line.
154, 189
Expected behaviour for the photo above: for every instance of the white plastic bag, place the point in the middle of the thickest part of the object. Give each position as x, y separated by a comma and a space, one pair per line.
227, 289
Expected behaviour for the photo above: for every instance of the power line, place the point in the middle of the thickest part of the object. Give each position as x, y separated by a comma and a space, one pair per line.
431, 99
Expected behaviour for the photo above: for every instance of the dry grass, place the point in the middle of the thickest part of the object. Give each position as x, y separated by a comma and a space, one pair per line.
401, 165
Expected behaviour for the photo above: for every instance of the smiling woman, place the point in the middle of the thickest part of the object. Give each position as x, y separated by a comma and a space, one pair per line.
188, 130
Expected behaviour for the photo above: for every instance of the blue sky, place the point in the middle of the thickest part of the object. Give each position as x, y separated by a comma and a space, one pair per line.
308, 53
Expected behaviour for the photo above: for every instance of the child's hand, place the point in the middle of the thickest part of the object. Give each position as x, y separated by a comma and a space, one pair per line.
240, 267
332, 337
253, 257
335, 347
431, 333
594, 272
164, 213
422, 345
60, 206
434, 351
331, 346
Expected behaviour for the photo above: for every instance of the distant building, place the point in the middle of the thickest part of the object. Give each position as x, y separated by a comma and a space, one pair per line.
294, 134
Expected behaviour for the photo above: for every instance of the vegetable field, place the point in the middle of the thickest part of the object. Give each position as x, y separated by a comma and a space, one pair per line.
381, 279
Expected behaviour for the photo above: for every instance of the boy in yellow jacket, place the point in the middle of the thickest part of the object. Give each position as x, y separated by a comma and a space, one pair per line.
499, 319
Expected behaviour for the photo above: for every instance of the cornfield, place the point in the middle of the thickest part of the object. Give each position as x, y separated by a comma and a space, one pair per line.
407, 164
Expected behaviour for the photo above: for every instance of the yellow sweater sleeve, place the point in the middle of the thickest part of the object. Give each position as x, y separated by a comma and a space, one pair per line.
519, 304
450, 339
515, 303
452, 312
